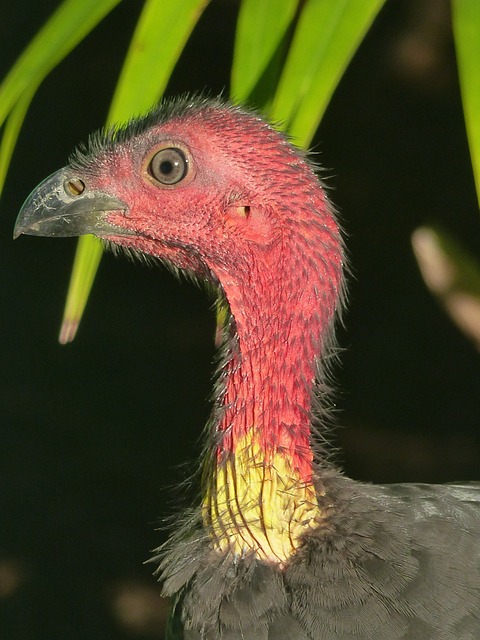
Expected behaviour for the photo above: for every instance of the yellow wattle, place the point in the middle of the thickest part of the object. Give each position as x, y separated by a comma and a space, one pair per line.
259, 504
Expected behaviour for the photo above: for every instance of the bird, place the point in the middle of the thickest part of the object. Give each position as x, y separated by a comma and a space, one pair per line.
281, 544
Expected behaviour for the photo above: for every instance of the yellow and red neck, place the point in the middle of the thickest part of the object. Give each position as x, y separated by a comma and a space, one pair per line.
260, 494
256, 502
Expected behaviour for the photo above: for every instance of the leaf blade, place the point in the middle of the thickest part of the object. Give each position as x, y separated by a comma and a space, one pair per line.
257, 56
142, 80
67, 26
466, 31
12, 130
327, 36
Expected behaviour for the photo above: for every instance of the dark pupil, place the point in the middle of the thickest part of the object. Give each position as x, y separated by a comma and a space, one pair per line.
166, 167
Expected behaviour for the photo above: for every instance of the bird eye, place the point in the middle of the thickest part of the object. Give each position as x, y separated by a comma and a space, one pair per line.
168, 166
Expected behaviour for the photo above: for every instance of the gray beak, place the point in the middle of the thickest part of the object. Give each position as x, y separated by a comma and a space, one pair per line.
63, 206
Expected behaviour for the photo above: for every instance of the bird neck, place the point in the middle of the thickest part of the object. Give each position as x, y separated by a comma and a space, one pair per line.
261, 488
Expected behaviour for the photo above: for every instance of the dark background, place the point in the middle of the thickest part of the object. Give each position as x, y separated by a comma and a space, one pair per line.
95, 435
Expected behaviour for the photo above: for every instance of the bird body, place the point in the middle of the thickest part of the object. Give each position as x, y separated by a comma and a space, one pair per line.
389, 563
282, 546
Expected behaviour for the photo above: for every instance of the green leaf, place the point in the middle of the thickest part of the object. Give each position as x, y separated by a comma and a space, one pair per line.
160, 35
262, 29
85, 265
70, 23
327, 36
466, 31
12, 129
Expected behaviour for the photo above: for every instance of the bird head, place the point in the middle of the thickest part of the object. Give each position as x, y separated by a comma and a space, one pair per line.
207, 187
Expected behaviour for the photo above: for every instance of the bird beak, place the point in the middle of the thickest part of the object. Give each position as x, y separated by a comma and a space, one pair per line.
63, 206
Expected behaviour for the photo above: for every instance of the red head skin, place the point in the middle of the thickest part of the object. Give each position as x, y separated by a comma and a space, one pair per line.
252, 216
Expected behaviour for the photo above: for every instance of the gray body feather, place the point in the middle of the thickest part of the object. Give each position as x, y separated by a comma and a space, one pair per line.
395, 562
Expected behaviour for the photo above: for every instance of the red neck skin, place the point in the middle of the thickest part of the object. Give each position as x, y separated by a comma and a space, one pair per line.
282, 314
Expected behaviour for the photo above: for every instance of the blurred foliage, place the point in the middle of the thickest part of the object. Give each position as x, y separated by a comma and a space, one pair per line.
452, 274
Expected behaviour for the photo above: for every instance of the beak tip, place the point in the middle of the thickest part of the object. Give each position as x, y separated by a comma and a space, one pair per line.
25, 223
18, 229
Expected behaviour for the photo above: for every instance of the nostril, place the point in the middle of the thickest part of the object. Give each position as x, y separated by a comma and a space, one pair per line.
74, 187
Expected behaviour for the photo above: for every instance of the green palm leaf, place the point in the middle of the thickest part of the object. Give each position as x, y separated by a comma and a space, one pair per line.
466, 31
72, 21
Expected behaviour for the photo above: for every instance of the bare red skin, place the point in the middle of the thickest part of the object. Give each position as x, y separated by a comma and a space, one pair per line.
252, 213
